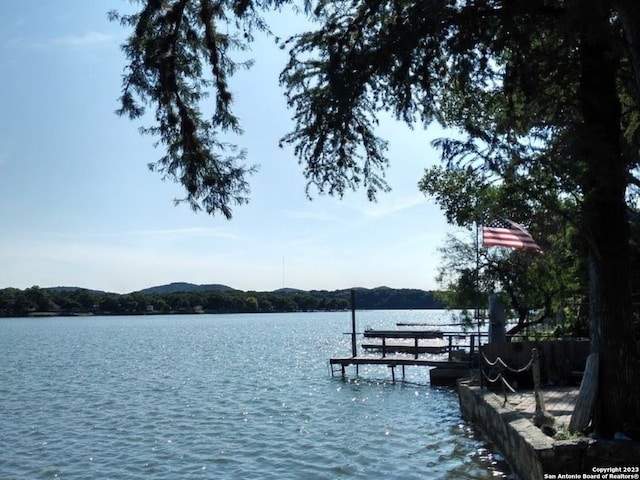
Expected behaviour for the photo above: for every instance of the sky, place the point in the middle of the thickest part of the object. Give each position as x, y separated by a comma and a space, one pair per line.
79, 207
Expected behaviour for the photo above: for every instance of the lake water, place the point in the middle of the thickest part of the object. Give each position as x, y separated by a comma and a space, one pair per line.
221, 397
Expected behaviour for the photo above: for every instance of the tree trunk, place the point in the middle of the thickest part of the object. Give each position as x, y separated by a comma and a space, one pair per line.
629, 15
606, 227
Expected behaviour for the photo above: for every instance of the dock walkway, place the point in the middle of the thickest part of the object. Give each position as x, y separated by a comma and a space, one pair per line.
393, 362
408, 349
559, 402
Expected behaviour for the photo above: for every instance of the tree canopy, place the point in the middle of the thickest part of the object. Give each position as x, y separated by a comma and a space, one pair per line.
544, 95
76, 301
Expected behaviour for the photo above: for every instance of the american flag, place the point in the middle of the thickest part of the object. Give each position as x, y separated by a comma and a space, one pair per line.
505, 233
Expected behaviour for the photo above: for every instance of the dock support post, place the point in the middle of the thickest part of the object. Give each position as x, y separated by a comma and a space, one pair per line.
393, 373
342, 371
354, 351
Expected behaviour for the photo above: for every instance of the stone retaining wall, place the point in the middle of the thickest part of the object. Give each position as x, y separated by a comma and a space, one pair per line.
530, 453
514, 436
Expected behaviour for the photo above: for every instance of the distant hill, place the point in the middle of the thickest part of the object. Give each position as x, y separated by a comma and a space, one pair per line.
386, 298
73, 289
288, 290
182, 297
374, 298
186, 287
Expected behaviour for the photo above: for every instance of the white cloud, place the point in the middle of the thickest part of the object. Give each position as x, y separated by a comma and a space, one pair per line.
392, 206
155, 234
180, 232
120, 268
76, 41
308, 214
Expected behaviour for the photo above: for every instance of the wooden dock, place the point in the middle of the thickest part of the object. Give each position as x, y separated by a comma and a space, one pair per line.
408, 349
393, 362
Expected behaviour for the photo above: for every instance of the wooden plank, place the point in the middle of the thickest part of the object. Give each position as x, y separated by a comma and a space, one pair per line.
403, 334
405, 348
586, 396
396, 361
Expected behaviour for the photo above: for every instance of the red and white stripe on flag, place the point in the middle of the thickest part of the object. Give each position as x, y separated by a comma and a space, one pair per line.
505, 233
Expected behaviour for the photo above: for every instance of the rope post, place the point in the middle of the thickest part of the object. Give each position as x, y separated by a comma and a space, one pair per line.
504, 387
535, 368
481, 364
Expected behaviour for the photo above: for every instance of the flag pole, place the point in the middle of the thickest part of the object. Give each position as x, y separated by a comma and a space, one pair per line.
477, 312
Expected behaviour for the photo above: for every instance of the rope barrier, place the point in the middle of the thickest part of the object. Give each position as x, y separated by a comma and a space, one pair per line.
506, 384
491, 380
504, 367
507, 367
533, 364
499, 376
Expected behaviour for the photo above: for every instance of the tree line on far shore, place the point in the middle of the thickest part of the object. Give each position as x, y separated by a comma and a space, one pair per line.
77, 301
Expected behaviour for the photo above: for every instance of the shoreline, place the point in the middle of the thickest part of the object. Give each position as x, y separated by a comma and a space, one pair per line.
532, 454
